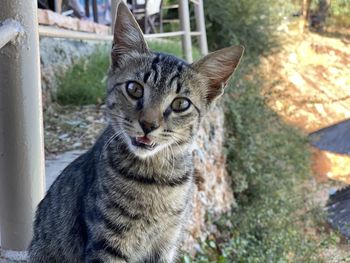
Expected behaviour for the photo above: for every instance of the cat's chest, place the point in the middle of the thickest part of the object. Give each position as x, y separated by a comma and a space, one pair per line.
160, 201
162, 213
149, 201
146, 194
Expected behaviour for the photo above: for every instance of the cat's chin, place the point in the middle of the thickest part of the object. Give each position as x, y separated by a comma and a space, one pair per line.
142, 150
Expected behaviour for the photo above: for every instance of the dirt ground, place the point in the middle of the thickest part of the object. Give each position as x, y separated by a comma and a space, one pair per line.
309, 79
309, 87
69, 128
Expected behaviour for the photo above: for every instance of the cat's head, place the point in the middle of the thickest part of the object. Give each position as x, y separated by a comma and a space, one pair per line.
156, 101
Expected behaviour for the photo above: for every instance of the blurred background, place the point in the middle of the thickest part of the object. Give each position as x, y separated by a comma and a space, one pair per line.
293, 81
274, 151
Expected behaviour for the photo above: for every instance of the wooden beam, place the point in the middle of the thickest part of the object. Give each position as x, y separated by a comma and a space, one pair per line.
95, 10
200, 22
185, 26
47, 31
113, 14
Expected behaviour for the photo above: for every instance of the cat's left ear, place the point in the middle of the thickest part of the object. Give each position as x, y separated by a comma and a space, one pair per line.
128, 38
218, 67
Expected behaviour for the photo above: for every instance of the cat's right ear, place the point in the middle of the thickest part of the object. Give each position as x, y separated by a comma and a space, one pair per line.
128, 37
217, 67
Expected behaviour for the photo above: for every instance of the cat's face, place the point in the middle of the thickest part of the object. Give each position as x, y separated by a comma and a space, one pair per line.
156, 101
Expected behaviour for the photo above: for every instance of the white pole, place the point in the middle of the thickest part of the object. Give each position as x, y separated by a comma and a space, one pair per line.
185, 26
113, 14
200, 21
21, 130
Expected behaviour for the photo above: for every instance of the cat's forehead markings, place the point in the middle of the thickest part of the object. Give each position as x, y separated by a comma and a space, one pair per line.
180, 66
157, 58
173, 78
178, 87
146, 76
155, 68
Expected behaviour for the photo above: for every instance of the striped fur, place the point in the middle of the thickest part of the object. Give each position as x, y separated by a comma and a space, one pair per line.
122, 201
111, 206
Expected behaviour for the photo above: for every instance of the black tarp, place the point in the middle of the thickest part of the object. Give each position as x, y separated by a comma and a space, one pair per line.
336, 139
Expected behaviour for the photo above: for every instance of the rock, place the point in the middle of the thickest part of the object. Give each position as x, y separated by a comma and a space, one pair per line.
213, 194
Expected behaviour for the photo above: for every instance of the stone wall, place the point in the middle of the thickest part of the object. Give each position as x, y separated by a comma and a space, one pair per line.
213, 194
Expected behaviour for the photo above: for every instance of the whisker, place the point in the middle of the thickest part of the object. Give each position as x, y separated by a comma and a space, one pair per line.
179, 137
180, 148
105, 146
161, 168
173, 161
121, 117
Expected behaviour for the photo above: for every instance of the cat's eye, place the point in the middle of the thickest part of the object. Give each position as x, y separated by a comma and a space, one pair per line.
180, 104
134, 90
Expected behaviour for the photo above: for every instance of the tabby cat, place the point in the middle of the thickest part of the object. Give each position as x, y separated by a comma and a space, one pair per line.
128, 198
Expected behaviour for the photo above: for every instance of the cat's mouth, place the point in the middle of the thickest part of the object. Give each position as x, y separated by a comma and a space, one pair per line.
143, 142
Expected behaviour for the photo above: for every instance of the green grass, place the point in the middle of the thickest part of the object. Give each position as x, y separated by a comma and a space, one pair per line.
85, 82
172, 47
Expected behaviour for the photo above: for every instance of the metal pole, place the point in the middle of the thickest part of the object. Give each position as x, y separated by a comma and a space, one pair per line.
9, 29
185, 26
21, 130
113, 14
58, 6
199, 12
95, 10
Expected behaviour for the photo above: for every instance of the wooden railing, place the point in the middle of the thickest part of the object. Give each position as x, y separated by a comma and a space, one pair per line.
73, 28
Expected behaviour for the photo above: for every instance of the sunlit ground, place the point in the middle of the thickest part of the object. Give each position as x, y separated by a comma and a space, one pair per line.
310, 89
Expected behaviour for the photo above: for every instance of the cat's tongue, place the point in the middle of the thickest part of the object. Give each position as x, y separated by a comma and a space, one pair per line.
144, 140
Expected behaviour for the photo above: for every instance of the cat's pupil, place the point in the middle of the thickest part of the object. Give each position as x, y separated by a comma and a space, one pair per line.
134, 90
180, 104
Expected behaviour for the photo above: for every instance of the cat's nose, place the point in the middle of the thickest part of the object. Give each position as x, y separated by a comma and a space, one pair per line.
148, 127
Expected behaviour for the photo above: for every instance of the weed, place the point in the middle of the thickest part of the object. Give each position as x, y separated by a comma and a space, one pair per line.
84, 83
